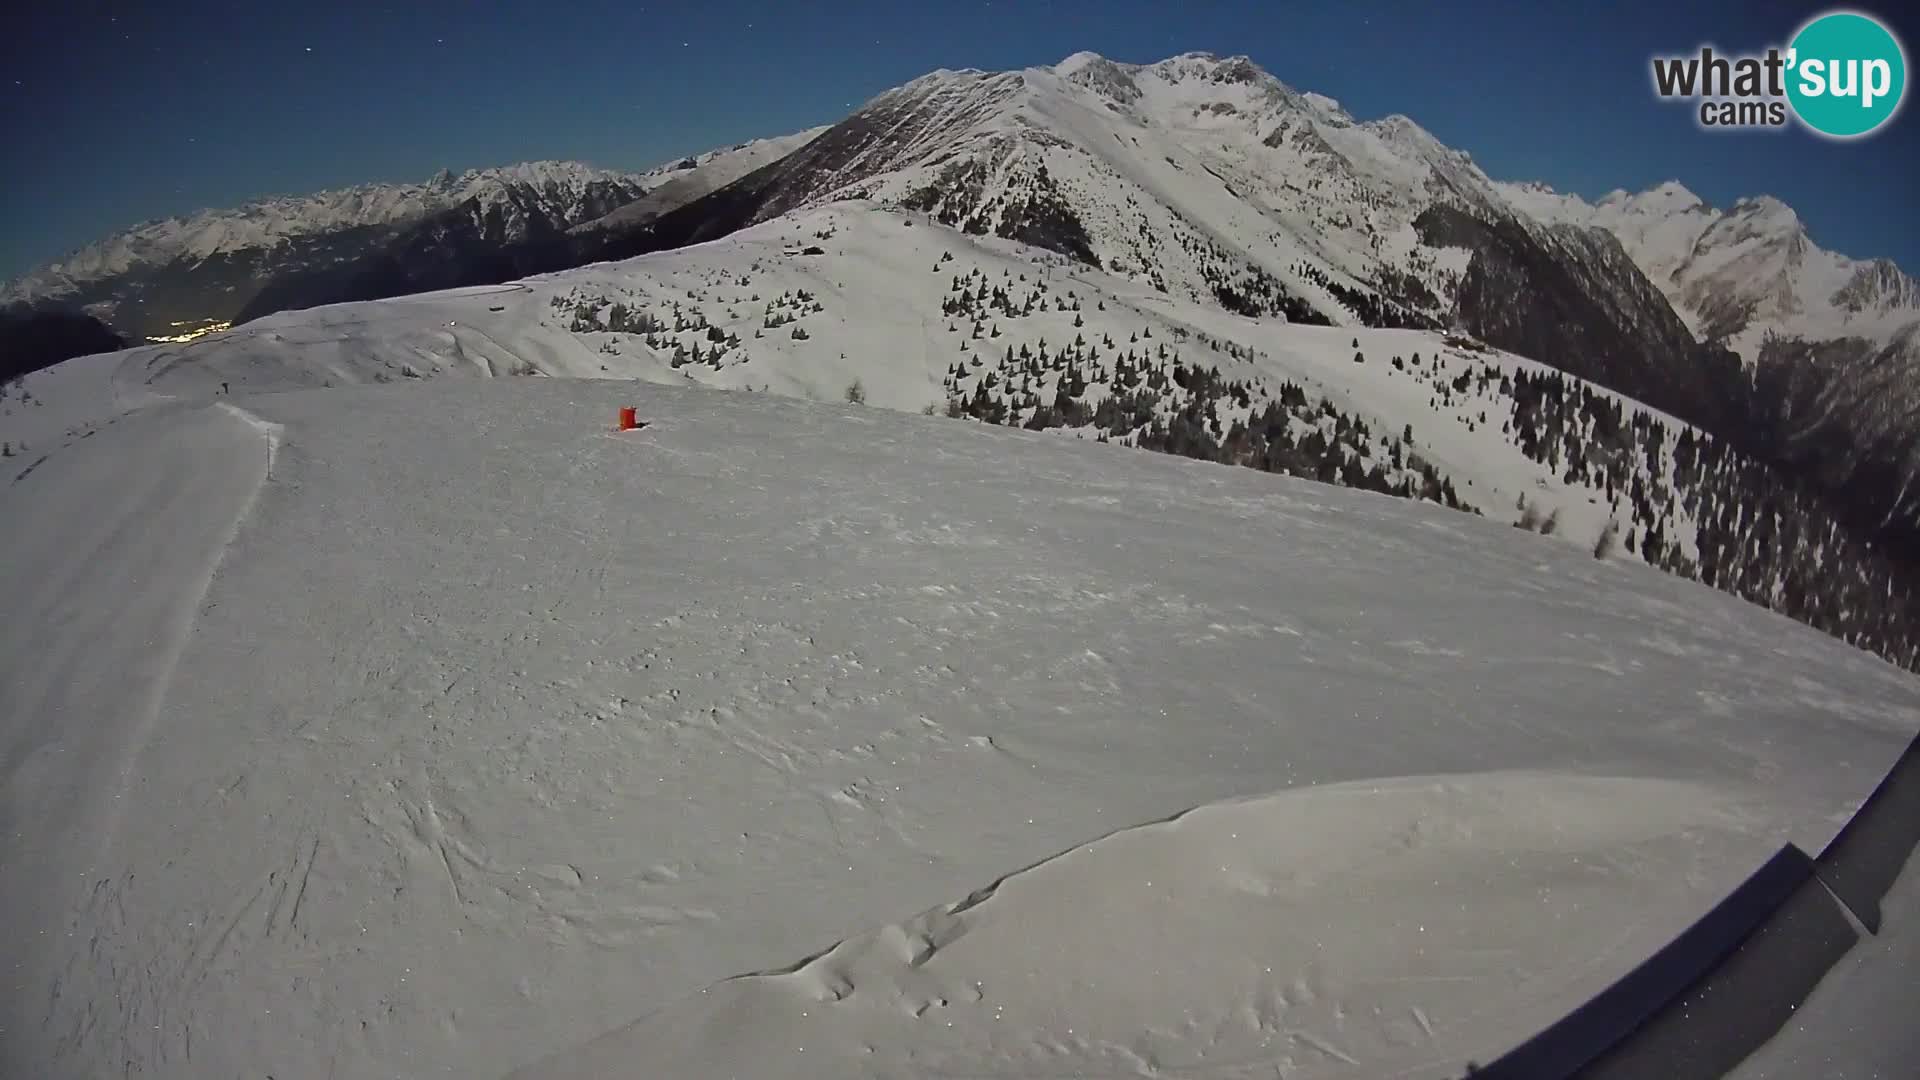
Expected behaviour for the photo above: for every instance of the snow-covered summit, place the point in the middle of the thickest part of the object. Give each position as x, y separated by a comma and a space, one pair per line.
1670, 196
1078, 62
1198, 174
1744, 272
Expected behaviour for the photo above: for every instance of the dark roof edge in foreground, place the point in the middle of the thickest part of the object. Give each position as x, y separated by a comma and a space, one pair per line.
1709, 998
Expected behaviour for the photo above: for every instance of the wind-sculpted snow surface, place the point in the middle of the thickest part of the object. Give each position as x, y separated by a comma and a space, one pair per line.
1365, 929
490, 731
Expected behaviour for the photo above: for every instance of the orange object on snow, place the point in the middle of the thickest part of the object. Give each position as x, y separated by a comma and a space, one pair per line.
627, 421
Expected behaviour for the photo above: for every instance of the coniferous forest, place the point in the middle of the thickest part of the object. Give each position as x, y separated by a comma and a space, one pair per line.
1684, 501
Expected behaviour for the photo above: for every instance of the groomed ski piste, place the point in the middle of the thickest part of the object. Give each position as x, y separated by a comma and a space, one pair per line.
436, 729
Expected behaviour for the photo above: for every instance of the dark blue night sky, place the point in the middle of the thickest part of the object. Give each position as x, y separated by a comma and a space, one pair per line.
115, 113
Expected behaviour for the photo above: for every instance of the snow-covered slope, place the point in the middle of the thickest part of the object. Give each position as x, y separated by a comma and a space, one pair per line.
757, 312
924, 316
436, 728
1232, 941
691, 178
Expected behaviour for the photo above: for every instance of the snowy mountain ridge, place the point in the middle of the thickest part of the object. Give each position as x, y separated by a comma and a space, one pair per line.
196, 271
269, 221
1208, 180
1743, 272
691, 178
1258, 184
1344, 193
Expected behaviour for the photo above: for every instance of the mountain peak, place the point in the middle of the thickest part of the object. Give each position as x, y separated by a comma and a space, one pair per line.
565, 173
1101, 75
1401, 126
1766, 207
1327, 106
1078, 62
1670, 195
1212, 67
940, 75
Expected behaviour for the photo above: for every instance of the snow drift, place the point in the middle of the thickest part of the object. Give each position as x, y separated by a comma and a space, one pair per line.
1363, 929
436, 728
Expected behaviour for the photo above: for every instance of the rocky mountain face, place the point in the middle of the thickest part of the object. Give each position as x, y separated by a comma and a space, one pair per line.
1206, 177
1202, 177
1742, 273
1829, 345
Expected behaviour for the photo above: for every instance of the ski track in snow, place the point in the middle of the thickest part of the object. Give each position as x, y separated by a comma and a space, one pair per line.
108, 592
496, 730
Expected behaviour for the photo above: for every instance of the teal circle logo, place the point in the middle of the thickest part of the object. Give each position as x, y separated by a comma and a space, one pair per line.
1846, 74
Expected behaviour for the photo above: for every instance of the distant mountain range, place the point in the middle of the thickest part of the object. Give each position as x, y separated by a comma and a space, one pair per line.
1745, 272
170, 277
1200, 177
